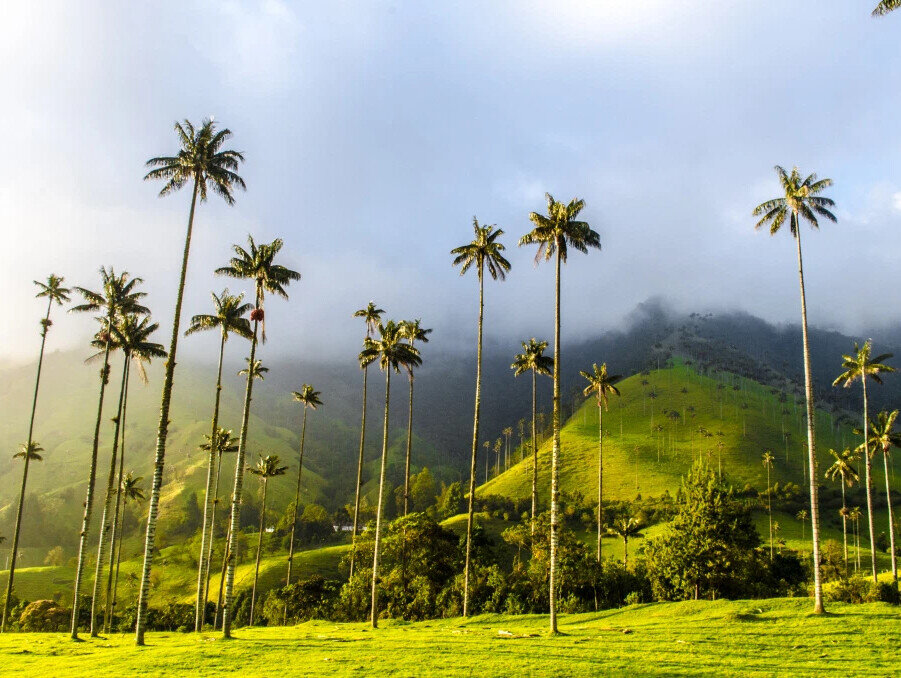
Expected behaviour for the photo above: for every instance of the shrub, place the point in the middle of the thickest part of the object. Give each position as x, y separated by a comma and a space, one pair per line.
44, 615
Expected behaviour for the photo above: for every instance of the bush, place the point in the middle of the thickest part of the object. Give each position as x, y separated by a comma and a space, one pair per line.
44, 615
860, 590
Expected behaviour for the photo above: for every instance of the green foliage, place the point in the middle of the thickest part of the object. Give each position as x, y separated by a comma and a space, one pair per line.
44, 615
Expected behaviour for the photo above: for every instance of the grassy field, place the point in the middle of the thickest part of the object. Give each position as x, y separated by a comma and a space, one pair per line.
697, 638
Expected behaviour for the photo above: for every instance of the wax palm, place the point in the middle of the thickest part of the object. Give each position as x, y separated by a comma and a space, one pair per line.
886, 7
861, 366
413, 331
532, 359
54, 292
626, 529
118, 297
256, 263
855, 514
498, 446
768, 461
130, 491
801, 199
843, 471
485, 252
802, 516
224, 443
601, 384
371, 316
554, 234
309, 398
201, 161
392, 353
267, 467
508, 431
884, 436
228, 318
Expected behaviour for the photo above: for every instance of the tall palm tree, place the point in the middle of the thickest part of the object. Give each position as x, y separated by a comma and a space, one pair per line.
228, 318
201, 161
130, 331
309, 397
267, 467
886, 7
855, 514
532, 359
800, 199
130, 490
883, 435
626, 529
28, 452
392, 353
860, 366
602, 385
119, 297
768, 460
256, 263
485, 252
842, 469
508, 432
55, 293
555, 233
498, 446
413, 331
371, 316
802, 516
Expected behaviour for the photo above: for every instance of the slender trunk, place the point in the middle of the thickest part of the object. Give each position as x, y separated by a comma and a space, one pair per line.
378, 514
104, 525
89, 497
212, 540
256, 571
116, 577
868, 477
811, 439
34, 405
353, 548
235, 522
534, 459
769, 509
555, 457
303, 433
625, 552
117, 517
225, 555
162, 433
206, 538
600, 475
409, 450
844, 524
891, 522
475, 449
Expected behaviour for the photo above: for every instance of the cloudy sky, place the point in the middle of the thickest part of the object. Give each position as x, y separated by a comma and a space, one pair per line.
374, 131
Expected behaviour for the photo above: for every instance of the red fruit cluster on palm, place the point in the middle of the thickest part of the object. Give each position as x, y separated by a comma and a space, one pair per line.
256, 314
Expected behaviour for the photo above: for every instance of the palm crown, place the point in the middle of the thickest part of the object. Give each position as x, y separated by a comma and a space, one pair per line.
228, 316
268, 467
768, 459
601, 383
560, 229
256, 370
389, 349
53, 290
130, 334
371, 315
131, 487
861, 365
201, 159
886, 6
532, 358
413, 331
308, 396
484, 251
801, 200
842, 468
882, 432
224, 442
31, 451
118, 298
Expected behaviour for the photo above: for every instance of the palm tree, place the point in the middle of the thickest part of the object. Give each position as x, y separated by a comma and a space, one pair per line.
554, 234
487, 445
485, 252
768, 460
54, 292
855, 514
392, 353
802, 516
267, 467
498, 446
860, 366
413, 331
626, 528
883, 435
371, 316
800, 200
843, 471
256, 263
508, 432
118, 298
130, 490
602, 385
201, 161
309, 397
228, 318
28, 452
886, 6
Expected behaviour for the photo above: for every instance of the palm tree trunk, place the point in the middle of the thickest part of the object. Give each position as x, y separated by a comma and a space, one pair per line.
868, 479
89, 497
378, 515
209, 553
811, 439
891, 522
769, 509
555, 457
162, 433
303, 433
116, 577
34, 405
475, 450
534, 458
600, 475
844, 524
117, 516
409, 450
625, 552
228, 533
200, 607
104, 524
353, 548
256, 572
235, 522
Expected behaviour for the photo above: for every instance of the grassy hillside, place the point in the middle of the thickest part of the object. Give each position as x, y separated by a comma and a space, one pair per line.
696, 638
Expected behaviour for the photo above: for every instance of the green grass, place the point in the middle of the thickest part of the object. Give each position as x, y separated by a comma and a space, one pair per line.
697, 638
